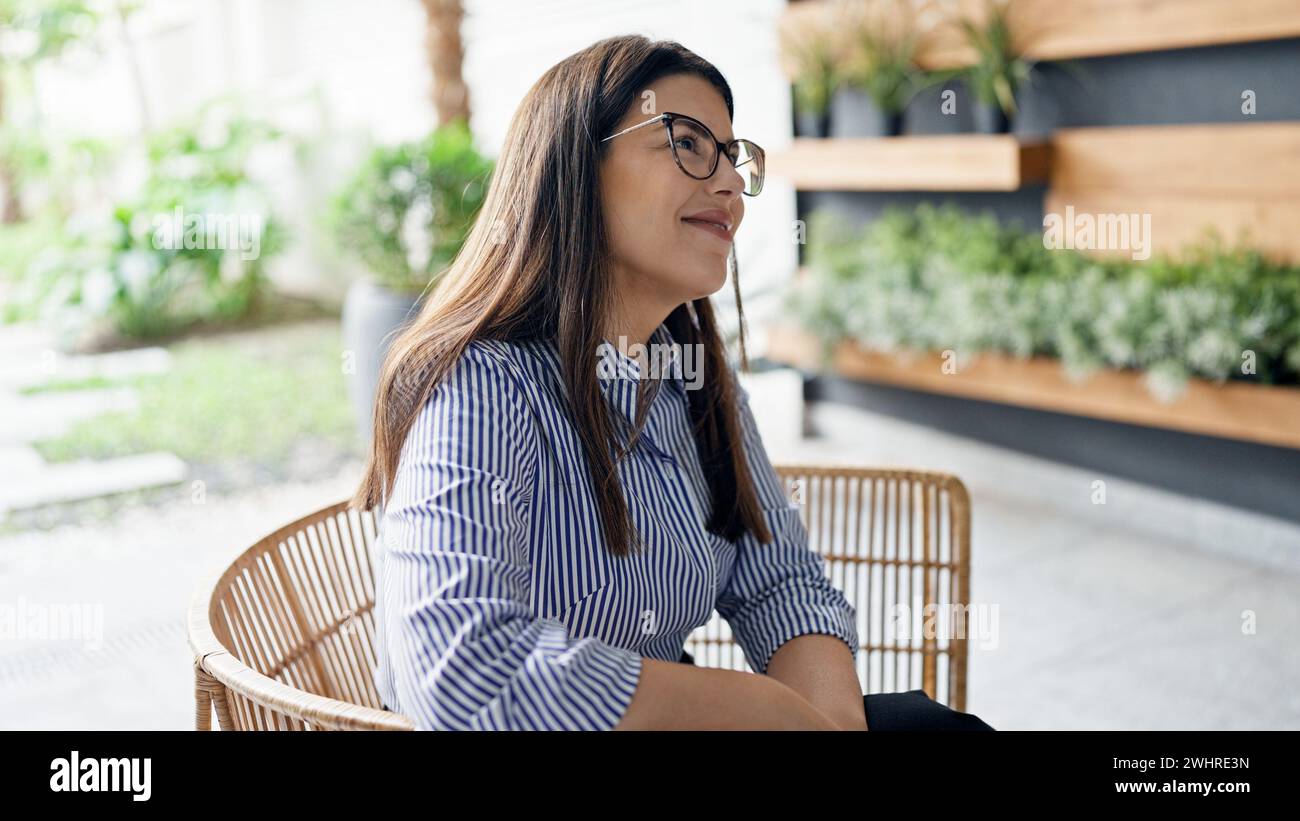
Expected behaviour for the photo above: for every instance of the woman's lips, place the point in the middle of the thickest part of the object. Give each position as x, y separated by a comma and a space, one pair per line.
711, 227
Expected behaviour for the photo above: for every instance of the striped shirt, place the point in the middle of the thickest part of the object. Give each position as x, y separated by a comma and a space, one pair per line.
498, 605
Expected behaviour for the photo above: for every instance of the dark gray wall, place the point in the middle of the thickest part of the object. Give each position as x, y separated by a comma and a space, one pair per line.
1191, 85
1201, 85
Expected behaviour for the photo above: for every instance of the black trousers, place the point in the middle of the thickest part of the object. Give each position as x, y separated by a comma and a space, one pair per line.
912, 710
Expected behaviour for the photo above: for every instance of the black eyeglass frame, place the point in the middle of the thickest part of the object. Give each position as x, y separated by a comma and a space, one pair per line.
723, 148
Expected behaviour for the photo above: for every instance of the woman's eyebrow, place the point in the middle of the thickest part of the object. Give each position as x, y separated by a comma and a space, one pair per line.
711, 131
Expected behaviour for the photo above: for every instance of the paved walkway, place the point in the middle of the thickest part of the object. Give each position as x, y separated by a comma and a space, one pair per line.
29, 359
132, 578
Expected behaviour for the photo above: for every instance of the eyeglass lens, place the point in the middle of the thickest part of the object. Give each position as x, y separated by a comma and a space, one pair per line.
696, 150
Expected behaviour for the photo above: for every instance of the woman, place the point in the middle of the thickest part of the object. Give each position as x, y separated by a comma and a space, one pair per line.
561, 511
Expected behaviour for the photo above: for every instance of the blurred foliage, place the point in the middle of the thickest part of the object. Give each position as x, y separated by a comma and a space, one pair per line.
57, 163
808, 57
38, 29
32, 31
999, 69
406, 211
936, 278
877, 44
143, 267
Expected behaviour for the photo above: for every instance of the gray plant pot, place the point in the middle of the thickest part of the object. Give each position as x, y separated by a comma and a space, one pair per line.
371, 316
855, 114
989, 118
812, 124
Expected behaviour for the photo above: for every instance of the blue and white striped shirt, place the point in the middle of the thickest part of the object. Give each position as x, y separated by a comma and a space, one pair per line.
498, 605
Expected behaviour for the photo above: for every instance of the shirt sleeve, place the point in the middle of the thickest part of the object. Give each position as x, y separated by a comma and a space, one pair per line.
465, 649
780, 590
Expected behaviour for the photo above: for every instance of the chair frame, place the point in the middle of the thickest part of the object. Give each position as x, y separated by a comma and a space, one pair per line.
244, 697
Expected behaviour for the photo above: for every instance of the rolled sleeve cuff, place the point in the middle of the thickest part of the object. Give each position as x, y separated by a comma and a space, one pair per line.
762, 633
555, 683
602, 687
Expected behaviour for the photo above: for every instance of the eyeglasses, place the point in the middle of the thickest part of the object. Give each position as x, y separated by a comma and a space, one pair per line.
696, 150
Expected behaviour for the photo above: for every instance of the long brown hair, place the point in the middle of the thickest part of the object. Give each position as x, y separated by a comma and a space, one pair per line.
536, 265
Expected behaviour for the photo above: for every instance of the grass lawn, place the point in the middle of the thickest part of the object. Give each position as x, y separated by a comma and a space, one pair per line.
241, 408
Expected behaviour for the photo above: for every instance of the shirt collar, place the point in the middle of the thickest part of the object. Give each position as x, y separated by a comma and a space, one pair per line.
659, 356
620, 373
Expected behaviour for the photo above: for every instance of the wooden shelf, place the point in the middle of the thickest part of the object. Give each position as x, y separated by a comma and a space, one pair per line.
949, 162
1241, 178
1055, 30
1235, 410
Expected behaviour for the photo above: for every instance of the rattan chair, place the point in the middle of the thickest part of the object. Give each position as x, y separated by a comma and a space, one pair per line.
283, 639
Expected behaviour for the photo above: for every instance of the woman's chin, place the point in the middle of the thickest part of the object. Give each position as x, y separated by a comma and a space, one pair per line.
695, 277
715, 277
710, 282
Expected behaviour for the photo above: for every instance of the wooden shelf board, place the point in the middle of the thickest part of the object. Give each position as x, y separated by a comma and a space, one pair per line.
1241, 178
1235, 410
1055, 30
1256, 159
948, 162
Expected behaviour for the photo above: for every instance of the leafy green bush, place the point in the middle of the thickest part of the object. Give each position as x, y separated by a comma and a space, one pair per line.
407, 209
936, 278
22, 245
189, 246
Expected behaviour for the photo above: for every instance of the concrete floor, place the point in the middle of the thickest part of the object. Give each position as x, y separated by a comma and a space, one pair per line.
1103, 621
1148, 612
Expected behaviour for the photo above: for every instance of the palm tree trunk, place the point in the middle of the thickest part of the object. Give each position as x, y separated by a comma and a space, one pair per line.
446, 54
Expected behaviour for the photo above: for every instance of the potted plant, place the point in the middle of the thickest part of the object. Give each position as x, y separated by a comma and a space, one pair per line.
930, 279
999, 69
808, 59
877, 68
404, 215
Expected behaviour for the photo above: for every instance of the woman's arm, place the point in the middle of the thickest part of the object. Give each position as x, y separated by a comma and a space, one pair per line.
793, 624
674, 696
465, 650
820, 668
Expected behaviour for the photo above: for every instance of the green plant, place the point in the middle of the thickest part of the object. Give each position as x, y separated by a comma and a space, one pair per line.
189, 246
31, 31
880, 40
407, 209
936, 278
999, 69
808, 58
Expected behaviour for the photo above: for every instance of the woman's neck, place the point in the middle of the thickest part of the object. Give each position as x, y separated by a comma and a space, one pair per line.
627, 329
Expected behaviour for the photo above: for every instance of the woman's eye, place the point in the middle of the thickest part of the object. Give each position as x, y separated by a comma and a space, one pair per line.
686, 143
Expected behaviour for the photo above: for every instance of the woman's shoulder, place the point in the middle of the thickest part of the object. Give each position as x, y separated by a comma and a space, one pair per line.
532, 364
489, 367
483, 392
520, 362
501, 378
477, 420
